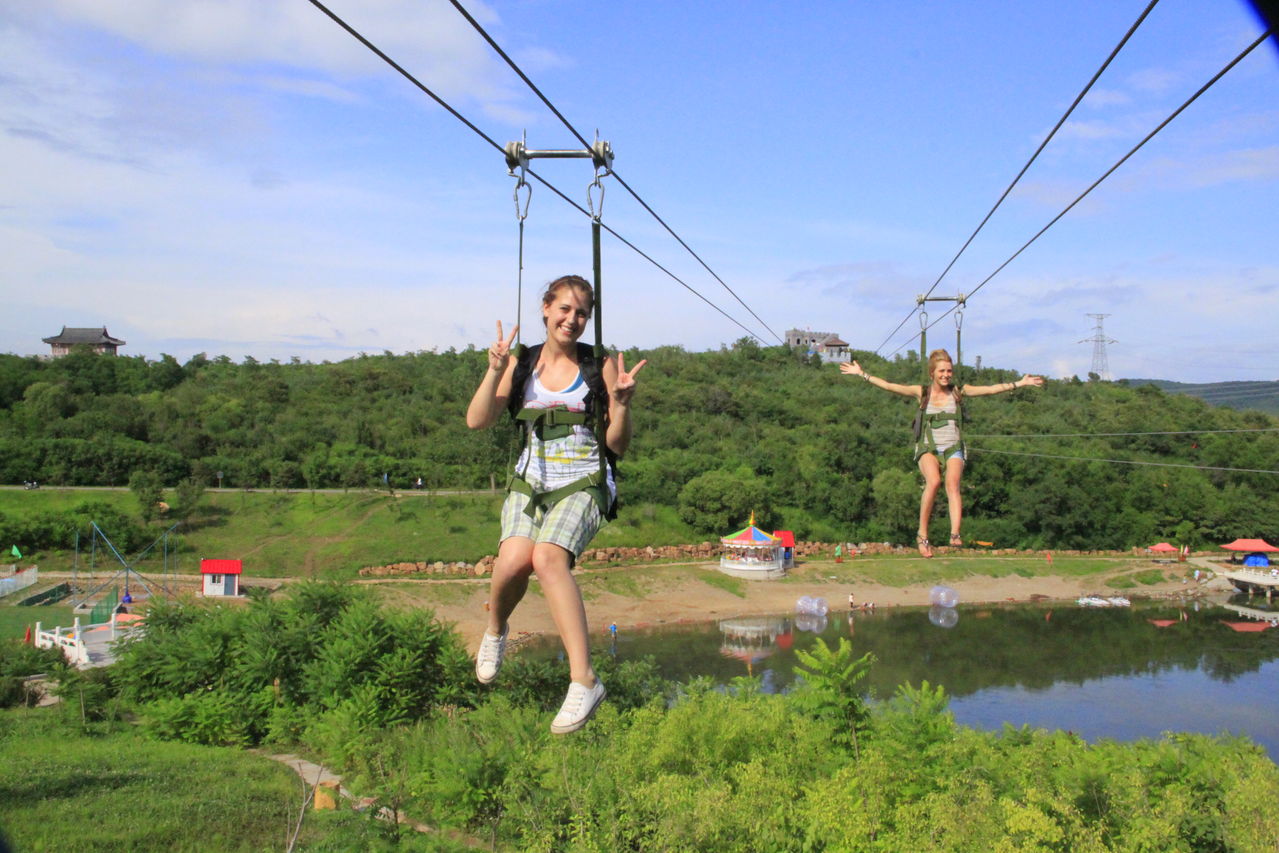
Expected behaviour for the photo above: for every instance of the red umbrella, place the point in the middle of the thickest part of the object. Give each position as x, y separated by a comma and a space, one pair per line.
1250, 545
1163, 548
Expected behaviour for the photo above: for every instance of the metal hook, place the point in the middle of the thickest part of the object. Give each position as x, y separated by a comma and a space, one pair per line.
959, 318
596, 213
522, 212
923, 320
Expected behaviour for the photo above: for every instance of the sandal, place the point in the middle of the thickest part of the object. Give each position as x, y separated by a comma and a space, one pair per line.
925, 547
956, 541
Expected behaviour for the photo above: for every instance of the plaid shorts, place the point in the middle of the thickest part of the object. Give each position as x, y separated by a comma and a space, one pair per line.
571, 524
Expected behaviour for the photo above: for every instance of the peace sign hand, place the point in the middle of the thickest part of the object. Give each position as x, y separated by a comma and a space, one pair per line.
624, 387
500, 351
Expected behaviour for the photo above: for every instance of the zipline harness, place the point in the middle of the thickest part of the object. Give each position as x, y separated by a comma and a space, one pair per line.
925, 422
555, 422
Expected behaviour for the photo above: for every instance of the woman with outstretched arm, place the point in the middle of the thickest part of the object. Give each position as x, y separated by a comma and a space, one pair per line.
939, 445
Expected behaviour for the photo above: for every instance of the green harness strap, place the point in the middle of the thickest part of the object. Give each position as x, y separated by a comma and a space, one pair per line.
933, 421
592, 483
549, 424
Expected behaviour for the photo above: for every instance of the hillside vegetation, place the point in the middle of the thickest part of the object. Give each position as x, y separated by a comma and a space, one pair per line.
388, 699
718, 435
1261, 396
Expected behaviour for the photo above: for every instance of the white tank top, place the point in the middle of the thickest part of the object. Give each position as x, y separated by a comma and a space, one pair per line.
547, 465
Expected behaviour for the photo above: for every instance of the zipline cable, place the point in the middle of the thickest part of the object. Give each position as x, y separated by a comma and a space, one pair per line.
1124, 461
514, 67
1205, 87
1116, 434
1083, 92
1078, 98
404, 73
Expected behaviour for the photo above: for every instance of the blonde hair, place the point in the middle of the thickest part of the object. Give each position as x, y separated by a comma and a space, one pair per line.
579, 284
935, 358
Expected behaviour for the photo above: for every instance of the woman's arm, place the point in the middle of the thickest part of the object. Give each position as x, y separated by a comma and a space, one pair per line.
987, 390
856, 369
490, 398
621, 388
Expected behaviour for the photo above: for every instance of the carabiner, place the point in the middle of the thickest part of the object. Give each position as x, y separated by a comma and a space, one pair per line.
522, 212
596, 212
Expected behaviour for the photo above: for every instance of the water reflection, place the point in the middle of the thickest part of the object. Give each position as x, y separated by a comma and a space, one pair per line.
751, 639
1099, 672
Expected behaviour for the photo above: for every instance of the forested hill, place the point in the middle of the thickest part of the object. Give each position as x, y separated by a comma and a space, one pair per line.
1261, 396
718, 434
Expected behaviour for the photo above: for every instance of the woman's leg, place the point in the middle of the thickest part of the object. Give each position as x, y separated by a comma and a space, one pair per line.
931, 470
511, 572
954, 502
553, 568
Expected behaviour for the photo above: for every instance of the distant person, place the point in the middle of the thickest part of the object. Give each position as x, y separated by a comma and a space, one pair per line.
938, 443
556, 501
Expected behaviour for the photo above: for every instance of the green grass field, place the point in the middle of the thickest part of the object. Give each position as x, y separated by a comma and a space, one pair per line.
329, 535
14, 621
65, 789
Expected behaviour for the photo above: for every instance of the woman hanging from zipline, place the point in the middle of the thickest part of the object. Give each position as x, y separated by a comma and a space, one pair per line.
939, 442
561, 489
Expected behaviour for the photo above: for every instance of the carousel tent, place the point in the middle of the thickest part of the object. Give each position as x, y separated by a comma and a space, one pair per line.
752, 553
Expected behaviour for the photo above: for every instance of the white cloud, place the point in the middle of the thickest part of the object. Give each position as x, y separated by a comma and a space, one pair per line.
1102, 98
1156, 81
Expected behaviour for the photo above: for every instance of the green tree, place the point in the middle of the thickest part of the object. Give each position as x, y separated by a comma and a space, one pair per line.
896, 495
186, 497
718, 500
148, 489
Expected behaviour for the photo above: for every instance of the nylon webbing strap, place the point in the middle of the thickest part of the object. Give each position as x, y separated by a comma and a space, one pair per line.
591, 483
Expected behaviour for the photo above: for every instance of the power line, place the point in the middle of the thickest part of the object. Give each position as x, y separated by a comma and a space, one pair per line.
1205, 87
500, 52
1116, 434
1124, 461
404, 73
1078, 98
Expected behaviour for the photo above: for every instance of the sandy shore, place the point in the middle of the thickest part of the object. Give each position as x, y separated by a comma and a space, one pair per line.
686, 598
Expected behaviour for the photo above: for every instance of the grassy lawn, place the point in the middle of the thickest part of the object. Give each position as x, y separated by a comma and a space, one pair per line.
904, 570
322, 535
65, 790
15, 620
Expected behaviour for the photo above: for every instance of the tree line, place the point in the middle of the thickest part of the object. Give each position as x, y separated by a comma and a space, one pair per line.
719, 435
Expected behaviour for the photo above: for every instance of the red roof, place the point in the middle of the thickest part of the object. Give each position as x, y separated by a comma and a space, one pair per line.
221, 567
787, 537
1250, 545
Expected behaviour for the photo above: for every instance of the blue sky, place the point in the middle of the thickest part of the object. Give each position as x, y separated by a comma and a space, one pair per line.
243, 178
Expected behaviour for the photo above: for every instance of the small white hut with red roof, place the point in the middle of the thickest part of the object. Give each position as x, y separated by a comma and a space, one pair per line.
221, 577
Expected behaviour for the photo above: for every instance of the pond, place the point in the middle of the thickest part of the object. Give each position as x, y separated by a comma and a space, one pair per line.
1121, 673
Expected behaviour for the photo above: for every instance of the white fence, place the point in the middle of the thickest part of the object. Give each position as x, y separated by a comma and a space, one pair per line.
20, 580
86, 645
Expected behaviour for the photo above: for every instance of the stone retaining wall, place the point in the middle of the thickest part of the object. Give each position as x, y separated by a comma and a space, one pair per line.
708, 551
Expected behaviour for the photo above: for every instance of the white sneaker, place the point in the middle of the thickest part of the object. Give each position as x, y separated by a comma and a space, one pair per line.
579, 706
488, 660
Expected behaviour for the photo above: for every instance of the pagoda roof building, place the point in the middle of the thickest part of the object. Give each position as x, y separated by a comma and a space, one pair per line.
96, 338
